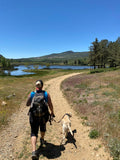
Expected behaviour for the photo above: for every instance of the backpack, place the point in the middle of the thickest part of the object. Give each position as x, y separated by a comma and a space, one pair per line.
39, 106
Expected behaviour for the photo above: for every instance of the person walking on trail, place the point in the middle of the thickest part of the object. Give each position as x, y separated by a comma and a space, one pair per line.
41, 103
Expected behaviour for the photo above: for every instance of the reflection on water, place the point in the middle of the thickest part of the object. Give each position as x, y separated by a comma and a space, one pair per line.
19, 69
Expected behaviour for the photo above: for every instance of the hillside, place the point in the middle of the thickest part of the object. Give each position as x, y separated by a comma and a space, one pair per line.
55, 57
66, 55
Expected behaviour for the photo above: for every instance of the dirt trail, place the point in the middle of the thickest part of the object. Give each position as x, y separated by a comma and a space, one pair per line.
81, 147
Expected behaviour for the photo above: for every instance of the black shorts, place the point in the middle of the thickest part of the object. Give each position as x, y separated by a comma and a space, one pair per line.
36, 123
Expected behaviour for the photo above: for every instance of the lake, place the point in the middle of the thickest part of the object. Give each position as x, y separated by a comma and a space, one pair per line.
19, 69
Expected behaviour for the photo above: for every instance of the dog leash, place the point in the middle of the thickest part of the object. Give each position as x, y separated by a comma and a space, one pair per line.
56, 121
60, 119
51, 118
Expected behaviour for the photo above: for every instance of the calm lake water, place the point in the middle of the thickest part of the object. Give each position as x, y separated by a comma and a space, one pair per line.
20, 69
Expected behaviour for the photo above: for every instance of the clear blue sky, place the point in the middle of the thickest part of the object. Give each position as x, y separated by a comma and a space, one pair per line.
32, 28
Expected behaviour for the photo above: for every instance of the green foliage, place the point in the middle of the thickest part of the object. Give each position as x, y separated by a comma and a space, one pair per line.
105, 53
84, 118
114, 146
99, 70
94, 134
47, 65
119, 115
2, 117
5, 63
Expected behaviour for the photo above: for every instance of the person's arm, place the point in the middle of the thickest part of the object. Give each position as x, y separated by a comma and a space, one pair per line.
30, 97
50, 105
28, 103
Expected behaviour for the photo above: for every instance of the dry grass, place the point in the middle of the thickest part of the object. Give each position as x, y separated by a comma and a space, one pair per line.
97, 97
9, 86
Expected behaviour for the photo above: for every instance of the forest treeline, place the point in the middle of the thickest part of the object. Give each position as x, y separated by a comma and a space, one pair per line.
105, 53
5, 63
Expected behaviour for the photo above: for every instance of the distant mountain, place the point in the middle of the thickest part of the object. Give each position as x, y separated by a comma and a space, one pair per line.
56, 57
66, 55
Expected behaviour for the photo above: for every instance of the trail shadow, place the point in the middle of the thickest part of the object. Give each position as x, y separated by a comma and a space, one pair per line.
71, 139
50, 150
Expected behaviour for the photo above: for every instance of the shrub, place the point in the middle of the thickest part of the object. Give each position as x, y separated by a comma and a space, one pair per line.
94, 134
114, 146
119, 115
97, 71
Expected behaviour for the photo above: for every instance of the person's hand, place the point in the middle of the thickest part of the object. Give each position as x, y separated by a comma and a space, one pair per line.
52, 115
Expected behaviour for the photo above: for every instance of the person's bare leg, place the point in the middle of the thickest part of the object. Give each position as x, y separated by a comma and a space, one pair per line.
33, 141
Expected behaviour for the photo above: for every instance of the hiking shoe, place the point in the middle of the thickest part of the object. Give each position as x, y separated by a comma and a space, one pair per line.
34, 155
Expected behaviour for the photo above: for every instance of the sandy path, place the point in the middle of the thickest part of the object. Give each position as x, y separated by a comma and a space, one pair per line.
81, 147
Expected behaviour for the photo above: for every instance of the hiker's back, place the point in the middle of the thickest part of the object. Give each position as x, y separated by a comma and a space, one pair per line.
39, 106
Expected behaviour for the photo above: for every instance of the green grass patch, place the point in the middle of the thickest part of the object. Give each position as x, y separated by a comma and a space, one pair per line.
99, 70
